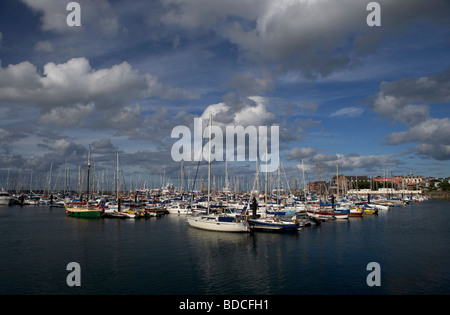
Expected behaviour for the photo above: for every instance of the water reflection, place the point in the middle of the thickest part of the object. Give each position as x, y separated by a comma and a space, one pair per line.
242, 263
166, 256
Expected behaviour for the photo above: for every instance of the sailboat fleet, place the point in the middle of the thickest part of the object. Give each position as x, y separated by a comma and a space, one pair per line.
223, 211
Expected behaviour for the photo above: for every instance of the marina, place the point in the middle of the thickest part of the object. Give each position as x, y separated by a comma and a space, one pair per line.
242, 150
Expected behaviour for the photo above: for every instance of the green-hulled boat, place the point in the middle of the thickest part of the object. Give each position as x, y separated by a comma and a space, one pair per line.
83, 212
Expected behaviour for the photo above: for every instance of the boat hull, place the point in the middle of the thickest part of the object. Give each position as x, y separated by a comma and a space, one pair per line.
356, 213
83, 213
272, 225
179, 211
120, 215
321, 215
379, 207
213, 223
341, 213
5, 201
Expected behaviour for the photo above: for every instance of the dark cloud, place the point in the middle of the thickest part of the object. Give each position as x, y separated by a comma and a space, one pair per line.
104, 146
315, 38
300, 153
136, 69
248, 84
408, 101
352, 163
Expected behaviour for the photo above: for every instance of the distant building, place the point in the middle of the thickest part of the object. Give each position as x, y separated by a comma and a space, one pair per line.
413, 180
348, 182
359, 178
393, 180
342, 182
317, 186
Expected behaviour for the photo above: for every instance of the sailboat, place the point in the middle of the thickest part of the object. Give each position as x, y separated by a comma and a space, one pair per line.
223, 220
84, 210
271, 222
274, 223
117, 209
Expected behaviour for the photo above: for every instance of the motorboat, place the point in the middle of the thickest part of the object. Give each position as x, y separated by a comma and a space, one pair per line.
5, 198
179, 208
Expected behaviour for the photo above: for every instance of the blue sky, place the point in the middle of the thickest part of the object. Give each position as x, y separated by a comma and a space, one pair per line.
365, 98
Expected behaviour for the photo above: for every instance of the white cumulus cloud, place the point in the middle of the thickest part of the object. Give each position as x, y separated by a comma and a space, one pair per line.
408, 101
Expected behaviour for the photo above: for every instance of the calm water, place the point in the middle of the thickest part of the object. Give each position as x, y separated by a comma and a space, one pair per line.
166, 256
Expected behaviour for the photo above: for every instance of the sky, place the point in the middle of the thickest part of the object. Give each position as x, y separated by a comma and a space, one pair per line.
363, 98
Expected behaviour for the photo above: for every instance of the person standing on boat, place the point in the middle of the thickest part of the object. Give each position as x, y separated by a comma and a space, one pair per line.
254, 207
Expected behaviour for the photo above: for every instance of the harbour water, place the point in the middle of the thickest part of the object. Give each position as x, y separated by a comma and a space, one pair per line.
165, 256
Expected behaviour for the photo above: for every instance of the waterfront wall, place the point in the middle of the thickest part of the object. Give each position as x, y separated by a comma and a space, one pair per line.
383, 191
439, 195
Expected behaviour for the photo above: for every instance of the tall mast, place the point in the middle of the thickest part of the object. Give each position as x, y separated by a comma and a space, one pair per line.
279, 185
80, 188
304, 182
320, 181
267, 180
181, 177
65, 179
209, 161
257, 176
31, 181
117, 176
226, 175
89, 170
50, 178
337, 180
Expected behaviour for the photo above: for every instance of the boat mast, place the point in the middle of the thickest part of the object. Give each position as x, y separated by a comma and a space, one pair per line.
304, 182
65, 179
50, 179
226, 175
80, 187
31, 181
337, 181
181, 178
209, 162
89, 170
320, 181
257, 177
279, 186
267, 182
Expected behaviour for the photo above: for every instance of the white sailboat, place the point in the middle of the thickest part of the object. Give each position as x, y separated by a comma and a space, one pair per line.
222, 221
